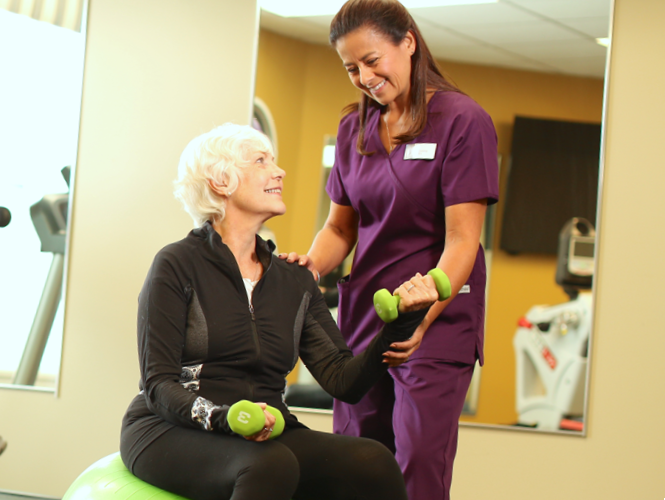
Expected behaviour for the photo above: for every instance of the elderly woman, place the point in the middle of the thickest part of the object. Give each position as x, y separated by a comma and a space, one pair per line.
221, 320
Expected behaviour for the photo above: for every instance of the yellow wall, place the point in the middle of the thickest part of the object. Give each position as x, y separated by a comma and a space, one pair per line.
306, 86
156, 75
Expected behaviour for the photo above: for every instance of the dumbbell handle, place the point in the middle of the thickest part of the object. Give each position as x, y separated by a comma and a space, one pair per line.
387, 304
247, 418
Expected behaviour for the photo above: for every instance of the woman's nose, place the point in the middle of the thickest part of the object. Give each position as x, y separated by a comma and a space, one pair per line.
279, 173
365, 76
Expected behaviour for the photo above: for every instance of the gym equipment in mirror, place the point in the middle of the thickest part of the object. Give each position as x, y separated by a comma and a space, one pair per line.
41, 105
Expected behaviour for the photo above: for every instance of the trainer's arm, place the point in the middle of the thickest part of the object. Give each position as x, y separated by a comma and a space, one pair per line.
464, 224
332, 243
336, 240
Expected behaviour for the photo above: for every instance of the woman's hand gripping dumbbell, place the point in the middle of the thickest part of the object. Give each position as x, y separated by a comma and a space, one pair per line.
255, 421
388, 306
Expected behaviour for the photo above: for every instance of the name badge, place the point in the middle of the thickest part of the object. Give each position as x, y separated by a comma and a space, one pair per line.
422, 151
465, 289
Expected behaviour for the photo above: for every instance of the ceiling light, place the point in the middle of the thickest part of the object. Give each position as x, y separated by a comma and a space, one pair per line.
605, 42
305, 8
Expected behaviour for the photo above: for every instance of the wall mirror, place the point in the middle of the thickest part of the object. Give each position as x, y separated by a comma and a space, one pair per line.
42, 48
524, 61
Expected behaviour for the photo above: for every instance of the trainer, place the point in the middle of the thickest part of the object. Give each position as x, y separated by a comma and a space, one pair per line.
415, 168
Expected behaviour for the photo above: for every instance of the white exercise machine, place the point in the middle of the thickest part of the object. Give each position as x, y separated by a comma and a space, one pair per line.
551, 343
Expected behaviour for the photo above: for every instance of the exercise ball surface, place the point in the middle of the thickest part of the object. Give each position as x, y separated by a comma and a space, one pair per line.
109, 479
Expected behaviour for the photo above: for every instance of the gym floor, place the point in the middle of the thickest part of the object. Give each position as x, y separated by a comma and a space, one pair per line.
6, 495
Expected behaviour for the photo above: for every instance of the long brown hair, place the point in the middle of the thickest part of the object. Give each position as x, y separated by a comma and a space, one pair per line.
391, 19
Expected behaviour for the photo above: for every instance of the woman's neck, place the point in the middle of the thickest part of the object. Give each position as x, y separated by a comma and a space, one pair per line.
400, 109
241, 240
397, 111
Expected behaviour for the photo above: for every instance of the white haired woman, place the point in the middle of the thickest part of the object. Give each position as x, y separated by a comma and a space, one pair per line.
220, 320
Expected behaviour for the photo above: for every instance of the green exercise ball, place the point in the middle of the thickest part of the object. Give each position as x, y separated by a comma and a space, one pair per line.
109, 479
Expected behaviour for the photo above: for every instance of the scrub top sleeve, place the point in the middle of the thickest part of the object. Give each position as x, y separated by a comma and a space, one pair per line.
335, 188
335, 185
470, 169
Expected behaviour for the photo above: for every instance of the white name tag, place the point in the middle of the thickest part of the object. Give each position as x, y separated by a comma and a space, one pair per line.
422, 151
465, 289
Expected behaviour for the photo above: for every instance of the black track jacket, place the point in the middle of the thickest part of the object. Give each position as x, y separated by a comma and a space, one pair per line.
203, 346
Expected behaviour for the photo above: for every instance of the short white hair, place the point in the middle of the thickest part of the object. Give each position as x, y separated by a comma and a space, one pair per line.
215, 156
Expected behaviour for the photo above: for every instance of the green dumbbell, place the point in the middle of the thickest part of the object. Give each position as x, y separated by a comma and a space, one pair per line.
279, 421
247, 418
387, 304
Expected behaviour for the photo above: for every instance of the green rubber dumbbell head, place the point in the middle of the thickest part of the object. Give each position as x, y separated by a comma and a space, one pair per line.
386, 305
442, 283
279, 422
246, 418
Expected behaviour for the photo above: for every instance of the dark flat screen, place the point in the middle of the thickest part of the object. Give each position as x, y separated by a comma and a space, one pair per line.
553, 177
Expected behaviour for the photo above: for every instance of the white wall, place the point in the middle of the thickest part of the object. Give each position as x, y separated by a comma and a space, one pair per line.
157, 73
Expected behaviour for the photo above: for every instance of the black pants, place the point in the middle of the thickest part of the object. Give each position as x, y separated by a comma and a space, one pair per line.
301, 464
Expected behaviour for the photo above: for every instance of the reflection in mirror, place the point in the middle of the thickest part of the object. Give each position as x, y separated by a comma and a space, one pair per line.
304, 391
521, 60
550, 197
263, 121
41, 52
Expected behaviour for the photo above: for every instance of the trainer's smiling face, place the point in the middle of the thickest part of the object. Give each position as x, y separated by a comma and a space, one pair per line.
377, 66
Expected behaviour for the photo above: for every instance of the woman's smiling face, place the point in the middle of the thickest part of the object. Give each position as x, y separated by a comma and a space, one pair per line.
260, 188
375, 65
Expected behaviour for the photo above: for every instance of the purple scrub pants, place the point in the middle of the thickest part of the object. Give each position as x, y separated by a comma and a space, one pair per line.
414, 410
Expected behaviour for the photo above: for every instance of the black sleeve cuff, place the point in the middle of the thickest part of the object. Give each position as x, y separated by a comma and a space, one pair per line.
403, 327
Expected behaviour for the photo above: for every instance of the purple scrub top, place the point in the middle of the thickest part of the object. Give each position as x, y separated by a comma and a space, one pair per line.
400, 204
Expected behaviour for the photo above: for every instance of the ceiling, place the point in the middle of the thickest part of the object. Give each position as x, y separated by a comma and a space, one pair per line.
552, 36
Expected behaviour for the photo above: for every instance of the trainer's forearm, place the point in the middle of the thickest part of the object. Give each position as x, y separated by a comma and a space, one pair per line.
457, 262
463, 227
330, 248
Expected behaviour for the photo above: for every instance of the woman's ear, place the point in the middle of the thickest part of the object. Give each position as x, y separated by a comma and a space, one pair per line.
410, 42
217, 188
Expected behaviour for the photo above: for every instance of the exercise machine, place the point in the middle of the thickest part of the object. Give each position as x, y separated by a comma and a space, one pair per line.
49, 216
551, 342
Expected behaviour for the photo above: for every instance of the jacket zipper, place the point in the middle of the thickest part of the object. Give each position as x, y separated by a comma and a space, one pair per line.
255, 333
257, 343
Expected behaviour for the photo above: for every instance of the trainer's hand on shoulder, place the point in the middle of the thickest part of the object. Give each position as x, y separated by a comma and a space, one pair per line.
417, 293
264, 434
302, 260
